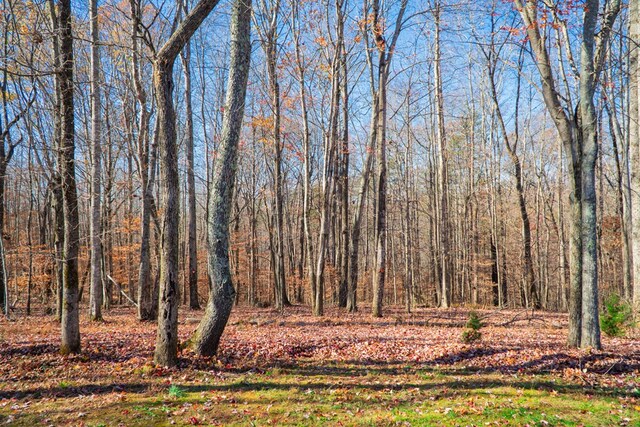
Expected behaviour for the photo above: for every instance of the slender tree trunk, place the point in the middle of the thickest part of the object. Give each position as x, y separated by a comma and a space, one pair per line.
146, 170
634, 145
352, 305
207, 337
446, 273
344, 196
381, 195
95, 297
306, 144
192, 242
167, 337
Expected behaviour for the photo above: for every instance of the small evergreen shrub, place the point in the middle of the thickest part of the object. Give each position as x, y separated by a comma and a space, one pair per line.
472, 333
176, 391
616, 316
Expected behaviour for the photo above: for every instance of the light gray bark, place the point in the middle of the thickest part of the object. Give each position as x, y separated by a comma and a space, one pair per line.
146, 170
207, 337
446, 267
578, 134
385, 54
95, 294
167, 337
306, 144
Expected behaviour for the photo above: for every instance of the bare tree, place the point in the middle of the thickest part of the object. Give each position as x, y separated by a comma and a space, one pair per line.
95, 297
192, 244
578, 134
385, 55
66, 164
167, 337
221, 298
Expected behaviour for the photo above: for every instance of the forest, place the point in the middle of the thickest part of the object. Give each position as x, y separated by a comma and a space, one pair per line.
320, 212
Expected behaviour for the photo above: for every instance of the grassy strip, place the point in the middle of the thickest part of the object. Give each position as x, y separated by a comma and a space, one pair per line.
338, 395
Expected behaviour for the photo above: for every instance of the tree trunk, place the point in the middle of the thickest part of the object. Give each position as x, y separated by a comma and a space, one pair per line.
146, 170
95, 297
634, 145
381, 197
221, 297
169, 298
446, 273
192, 242
66, 161
344, 201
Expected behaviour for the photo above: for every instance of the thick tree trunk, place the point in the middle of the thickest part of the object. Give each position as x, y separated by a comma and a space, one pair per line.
167, 337
66, 161
207, 337
590, 335
578, 134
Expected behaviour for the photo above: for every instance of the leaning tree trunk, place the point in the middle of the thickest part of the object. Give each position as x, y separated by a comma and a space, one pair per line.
352, 284
221, 297
167, 337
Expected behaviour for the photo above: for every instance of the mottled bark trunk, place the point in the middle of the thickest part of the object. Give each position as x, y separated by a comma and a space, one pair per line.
70, 342
4, 286
146, 170
590, 335
167, 336
169, 299
207, 337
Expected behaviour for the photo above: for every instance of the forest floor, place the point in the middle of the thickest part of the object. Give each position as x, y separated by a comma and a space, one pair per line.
342, 369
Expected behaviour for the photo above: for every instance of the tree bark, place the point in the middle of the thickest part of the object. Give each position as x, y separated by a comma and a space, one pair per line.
95, 297
634, 145
169, 299
446, 268
192, 243
207, 337
66, 162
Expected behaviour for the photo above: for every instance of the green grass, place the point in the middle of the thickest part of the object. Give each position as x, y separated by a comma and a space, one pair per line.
176, 391
347, 395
